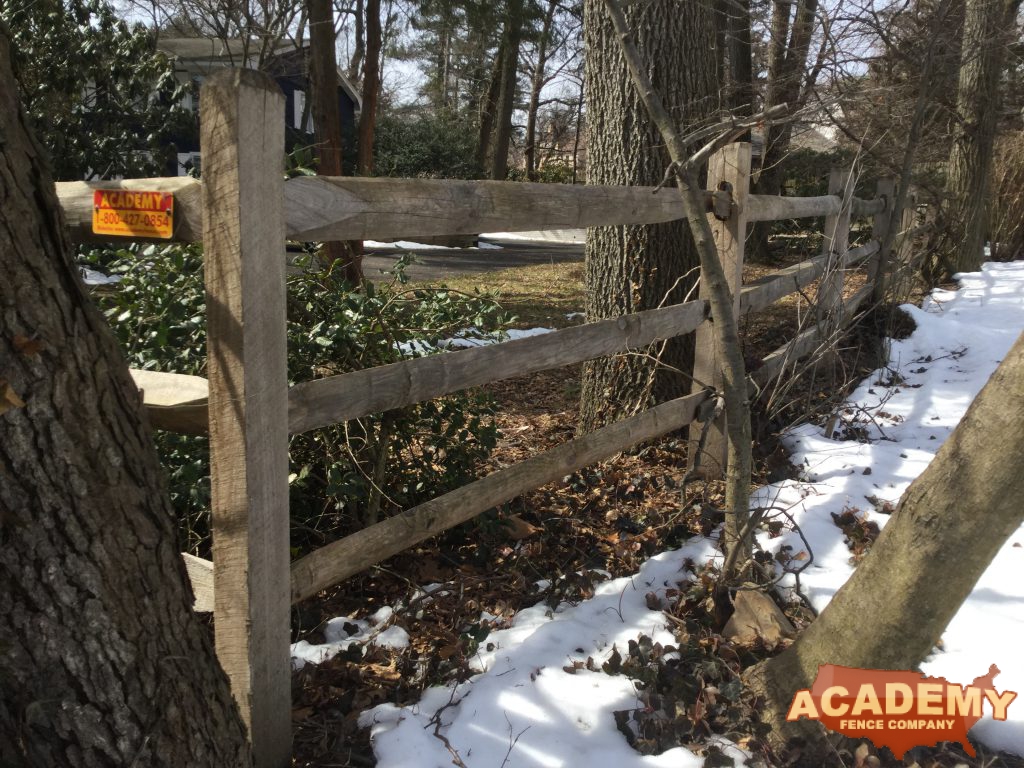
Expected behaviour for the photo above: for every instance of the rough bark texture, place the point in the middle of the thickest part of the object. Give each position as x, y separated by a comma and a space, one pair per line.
988, 28
634, 268
103, 662
961, 510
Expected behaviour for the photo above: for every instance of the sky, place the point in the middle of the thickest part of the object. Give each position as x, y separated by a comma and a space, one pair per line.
531, 706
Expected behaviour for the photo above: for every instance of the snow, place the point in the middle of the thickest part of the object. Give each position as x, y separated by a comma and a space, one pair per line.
94, 277
567, 236
410, 245
523, 709
468, 337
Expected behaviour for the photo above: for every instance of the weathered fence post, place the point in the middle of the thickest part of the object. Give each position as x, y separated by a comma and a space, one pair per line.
243, 235
729, 167
880, 264
835, 244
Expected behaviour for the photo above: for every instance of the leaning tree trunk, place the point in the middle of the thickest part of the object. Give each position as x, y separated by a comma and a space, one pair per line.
988, 28
635, 268
894, 608
102, 661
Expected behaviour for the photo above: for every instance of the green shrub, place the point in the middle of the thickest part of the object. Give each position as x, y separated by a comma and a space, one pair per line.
342, 477
425, 145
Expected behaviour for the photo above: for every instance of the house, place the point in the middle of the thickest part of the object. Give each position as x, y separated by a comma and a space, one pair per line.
196, 58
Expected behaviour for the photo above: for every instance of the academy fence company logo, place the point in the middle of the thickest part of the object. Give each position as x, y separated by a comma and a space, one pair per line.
898, 710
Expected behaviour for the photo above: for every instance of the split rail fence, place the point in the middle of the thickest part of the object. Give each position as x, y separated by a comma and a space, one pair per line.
244, 210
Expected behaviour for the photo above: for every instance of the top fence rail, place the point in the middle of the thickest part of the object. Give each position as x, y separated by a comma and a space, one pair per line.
349, 208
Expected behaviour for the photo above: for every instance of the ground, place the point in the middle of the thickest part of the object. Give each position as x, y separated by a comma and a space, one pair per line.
552, 546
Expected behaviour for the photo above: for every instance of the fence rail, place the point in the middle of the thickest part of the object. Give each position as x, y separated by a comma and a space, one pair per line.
345, 208
244, 209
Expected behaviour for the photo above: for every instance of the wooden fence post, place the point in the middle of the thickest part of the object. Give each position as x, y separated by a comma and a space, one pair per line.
834, 245
729, 166
242, 138
880, 265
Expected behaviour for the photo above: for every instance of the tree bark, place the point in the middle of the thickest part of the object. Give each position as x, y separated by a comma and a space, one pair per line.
536, 86
784, 87
323, 73
103, 662
786, 65
961, 509
988, 30
507, 91
371, 89
633, 268
488, 111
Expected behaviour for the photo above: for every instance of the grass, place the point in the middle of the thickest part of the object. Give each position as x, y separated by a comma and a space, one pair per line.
539, 295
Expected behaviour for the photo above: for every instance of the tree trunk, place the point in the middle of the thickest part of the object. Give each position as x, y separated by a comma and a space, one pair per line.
988, 27
536, 86
507, 91
741, 61
961, 509
784, 87
786, 65
355, 65
634, 268
488, 110
103, 662
371, 89
323, 73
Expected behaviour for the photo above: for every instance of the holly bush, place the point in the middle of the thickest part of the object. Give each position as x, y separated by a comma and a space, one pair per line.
342, 477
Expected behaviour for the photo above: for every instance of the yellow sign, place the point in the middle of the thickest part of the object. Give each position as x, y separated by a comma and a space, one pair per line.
132, 213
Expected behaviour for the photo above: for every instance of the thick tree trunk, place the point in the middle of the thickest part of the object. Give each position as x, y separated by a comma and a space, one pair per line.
634, 268
103, 661
371, 89
323, 74
961, 509
507, 91
988, 27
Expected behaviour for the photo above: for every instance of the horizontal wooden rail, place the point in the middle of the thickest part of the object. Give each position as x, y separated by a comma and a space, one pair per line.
344, 558
352, 395
356, 394
351, 208
337, 561
200, 574
76, 198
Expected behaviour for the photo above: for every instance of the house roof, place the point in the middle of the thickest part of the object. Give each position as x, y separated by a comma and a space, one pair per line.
284, 62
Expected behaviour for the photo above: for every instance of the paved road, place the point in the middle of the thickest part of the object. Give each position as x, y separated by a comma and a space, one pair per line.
433, 264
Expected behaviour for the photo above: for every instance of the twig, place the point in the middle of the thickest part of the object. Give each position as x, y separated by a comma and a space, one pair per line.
435, 721
512, 742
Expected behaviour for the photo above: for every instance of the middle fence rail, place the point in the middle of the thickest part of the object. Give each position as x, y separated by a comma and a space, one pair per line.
250, 583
